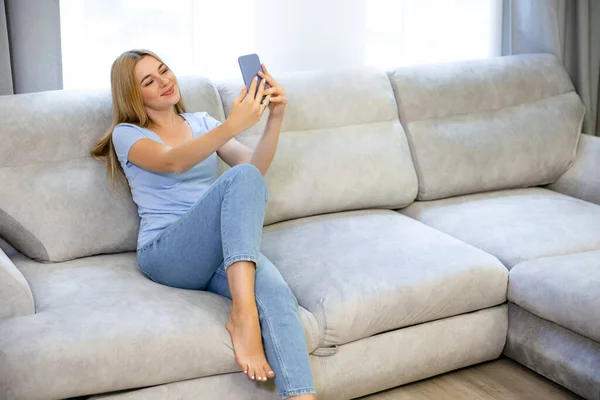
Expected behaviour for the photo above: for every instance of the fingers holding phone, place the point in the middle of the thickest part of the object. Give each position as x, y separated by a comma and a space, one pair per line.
260, 96
246, 110
275, 92
256, 89
248, 107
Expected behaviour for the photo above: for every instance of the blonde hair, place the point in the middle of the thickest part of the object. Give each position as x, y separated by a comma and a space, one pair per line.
128, 107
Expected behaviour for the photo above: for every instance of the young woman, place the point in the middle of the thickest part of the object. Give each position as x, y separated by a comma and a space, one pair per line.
200, 231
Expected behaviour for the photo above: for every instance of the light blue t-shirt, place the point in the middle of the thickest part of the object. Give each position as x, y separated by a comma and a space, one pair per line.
163, 198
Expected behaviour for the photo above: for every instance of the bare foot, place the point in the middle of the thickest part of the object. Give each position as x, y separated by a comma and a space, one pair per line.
244, 329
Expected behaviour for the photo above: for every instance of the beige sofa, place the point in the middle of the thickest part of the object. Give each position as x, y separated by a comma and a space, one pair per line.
398, 204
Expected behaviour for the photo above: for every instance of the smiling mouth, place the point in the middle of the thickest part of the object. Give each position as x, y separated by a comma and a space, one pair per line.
169, 92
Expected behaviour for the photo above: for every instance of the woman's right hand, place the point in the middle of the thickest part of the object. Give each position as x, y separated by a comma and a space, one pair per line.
247, 110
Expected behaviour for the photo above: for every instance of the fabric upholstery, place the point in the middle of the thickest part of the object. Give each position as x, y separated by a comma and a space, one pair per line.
325, 99
392, 359
217, 387
67, 209
344, 266
515, 225
341, 147
414, 353
15, 294
582, 180
101, 325
562, 289
56, 202
489, 124
557, 353
7, 248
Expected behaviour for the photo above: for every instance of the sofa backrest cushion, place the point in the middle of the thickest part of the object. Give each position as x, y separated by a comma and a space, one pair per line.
341, 145
56, 202
490, 124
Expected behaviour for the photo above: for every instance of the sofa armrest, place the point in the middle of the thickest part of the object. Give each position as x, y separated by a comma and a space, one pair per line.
582, 180
16, 298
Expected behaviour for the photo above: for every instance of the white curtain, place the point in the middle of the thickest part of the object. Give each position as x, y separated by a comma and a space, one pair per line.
206, 36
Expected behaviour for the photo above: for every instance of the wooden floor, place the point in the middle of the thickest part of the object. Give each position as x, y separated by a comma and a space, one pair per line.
501, 379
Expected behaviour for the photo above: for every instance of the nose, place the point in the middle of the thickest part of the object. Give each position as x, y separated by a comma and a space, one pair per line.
164, 80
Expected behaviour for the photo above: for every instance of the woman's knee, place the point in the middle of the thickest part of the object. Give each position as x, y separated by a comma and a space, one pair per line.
249, 174
246, 169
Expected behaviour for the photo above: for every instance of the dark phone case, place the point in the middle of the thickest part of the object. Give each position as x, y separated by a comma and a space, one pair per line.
250, 66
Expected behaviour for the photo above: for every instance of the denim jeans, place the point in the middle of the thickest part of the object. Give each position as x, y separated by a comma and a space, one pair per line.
223, 227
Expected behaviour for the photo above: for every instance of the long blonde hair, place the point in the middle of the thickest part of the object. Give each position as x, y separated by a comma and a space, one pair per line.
128, 107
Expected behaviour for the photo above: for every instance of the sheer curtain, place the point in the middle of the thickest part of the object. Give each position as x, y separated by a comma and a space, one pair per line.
206, 36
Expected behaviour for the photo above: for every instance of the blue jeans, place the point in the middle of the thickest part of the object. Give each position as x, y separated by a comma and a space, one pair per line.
223, 227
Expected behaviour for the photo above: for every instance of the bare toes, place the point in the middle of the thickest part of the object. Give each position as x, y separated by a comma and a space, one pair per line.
263, 374
244, 368
259, 372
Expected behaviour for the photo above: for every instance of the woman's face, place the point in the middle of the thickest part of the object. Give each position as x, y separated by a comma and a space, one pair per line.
158, 84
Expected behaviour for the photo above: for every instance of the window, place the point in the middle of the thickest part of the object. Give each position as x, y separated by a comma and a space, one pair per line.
206, 36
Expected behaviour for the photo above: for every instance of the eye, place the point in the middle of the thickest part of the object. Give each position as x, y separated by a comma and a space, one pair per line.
149, 83
164, 71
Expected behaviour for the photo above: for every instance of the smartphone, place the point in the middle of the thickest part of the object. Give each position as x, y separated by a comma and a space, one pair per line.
250, 66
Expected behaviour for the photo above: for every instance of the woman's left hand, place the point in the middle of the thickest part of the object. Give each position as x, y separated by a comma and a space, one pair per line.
275, 94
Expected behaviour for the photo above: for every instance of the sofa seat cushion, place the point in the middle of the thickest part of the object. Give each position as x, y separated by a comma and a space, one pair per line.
563, 289
515, 225
365, 272
102, 326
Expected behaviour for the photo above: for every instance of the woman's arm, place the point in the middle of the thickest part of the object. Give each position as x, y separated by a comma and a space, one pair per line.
277, 101
265, 149
158, 157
